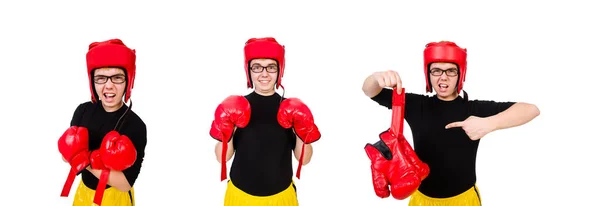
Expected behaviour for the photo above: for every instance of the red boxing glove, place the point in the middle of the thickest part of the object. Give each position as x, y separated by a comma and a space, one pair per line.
96, 161
116, 152
421, 168
294, 113
233, 112
74, 147
391, 170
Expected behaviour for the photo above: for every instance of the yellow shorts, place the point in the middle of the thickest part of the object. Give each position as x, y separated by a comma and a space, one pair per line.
468, 198
236, 197
84, 196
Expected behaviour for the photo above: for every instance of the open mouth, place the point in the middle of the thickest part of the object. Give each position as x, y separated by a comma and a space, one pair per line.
109, 96
443, 86
264, 81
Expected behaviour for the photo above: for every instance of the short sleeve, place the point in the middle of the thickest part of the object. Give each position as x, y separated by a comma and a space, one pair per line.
78, 115
139, 140
485, 108
384, 98
413, 102
292, 137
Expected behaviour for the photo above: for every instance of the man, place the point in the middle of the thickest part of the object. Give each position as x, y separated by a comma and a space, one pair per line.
106, 140
447, 128
263, 129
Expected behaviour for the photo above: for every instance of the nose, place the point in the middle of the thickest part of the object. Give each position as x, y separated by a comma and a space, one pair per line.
444, 76
264, 73
109, 84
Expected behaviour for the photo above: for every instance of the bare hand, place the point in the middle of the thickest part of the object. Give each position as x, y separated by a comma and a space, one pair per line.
388, 79
475, 127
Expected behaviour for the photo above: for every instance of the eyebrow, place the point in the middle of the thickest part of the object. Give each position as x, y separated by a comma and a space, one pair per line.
442, 69
101, 75
271, 64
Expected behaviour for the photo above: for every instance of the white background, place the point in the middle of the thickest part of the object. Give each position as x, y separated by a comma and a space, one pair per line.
190, 58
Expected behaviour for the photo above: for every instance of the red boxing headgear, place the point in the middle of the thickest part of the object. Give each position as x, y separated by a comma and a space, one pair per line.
264, 48
111, 53
445, 51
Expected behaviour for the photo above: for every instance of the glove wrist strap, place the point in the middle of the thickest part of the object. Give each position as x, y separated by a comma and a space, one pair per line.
101, 186
70, 179
300, 162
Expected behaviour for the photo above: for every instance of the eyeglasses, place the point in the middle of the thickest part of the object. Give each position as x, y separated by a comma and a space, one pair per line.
272, 68
116, 79
449, 72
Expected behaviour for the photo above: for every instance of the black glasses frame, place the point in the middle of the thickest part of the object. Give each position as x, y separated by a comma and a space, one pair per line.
440, 72
270, 68
115, 79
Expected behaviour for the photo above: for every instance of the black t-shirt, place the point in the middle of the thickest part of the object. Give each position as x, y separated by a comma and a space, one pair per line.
262, 164
450, 153
99, 123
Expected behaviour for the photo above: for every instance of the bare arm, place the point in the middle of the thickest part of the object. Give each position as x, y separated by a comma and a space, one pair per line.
308, 151
371, 87
375, 82
516, 115
116, 179
219, 149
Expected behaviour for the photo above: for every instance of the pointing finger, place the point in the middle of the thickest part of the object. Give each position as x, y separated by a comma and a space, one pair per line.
454, 124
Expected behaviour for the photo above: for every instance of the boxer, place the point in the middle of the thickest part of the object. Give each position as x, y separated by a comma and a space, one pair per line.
106, 140
263, 128
446, 127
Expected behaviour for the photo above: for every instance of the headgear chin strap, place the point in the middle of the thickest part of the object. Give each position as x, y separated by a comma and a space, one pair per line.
111, 53
445, 51
283, 93
264, 48
120, 121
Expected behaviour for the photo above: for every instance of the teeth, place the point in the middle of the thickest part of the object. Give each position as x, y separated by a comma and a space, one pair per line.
444, 85
110, 95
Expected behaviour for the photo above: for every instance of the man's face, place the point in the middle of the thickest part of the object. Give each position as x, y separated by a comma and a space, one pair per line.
263, 73
444, 79
109, 84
